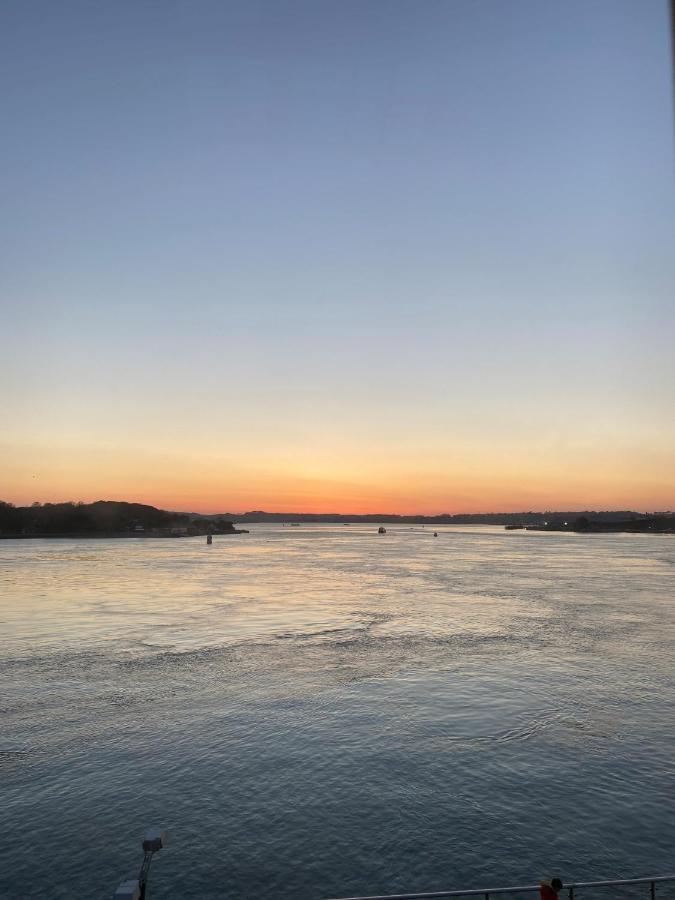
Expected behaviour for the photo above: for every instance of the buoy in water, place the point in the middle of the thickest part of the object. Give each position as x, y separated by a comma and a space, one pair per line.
209, 538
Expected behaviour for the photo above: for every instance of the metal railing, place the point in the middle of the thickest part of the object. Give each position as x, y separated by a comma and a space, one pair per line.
570, 888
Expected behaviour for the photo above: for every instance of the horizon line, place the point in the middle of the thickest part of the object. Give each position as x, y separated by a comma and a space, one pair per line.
290, 514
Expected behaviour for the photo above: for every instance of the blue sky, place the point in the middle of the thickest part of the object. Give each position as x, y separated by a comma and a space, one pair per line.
265, 241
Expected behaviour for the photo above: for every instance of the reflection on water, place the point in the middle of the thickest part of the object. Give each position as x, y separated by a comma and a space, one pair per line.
323, 710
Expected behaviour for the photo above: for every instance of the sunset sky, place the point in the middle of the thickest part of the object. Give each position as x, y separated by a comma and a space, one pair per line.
338, 255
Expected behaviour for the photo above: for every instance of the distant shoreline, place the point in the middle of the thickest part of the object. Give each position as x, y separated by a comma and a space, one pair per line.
118, 535
116, 519
631, 527
495, 518
111, 519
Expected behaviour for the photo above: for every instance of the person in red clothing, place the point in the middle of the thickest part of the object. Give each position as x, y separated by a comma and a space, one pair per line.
548, 890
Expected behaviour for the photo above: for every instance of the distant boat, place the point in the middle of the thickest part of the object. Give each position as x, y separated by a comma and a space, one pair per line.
295, 524
435, 534
209, 538
381, 530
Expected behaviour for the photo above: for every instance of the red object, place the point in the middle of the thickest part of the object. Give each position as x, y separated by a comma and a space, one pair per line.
546, 892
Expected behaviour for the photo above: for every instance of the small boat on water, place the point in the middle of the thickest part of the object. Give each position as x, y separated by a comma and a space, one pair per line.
381, 530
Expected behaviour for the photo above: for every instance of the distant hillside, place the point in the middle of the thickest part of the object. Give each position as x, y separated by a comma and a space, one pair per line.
517, 518
105, 518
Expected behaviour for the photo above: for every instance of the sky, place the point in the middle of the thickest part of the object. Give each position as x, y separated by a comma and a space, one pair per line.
339, 255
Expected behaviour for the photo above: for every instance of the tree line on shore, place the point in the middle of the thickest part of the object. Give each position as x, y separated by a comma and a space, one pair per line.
117, 518
491, 518
104, 517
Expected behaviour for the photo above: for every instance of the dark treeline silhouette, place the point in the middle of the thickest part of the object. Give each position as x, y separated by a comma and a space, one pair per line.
520, 518
104, 518
111, 518
574, 520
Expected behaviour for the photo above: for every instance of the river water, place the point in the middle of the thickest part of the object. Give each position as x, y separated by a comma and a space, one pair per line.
323, 711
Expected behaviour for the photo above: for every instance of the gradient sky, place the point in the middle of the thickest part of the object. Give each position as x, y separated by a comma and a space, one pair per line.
346, 255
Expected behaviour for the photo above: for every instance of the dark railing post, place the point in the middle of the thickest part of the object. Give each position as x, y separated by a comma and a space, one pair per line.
571, 892
487, 895
652, 890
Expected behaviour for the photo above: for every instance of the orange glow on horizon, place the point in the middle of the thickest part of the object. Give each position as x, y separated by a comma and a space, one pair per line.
431, 482
372, 502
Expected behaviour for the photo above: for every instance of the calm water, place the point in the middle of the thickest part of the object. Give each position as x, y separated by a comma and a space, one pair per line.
320, 711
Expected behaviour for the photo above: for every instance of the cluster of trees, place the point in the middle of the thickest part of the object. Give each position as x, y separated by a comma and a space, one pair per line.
105, 517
